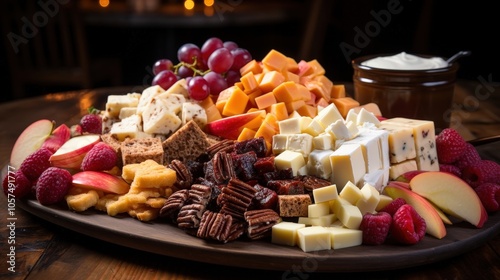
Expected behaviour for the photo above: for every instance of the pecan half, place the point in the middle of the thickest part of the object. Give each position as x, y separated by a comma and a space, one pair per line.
215, 226
225, 145
236, 198
260, 222
189, 216
223, 167
174, 203
184, 176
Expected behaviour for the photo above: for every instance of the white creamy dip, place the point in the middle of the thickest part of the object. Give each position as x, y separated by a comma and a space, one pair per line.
404, 61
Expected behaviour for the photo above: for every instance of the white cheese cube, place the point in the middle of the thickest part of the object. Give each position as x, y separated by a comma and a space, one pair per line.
425, 142
173, 101
338, 130
384, 201
337, 203
399, 169
289, 159
304, 121
371, 148
353, 129
314, 238
350, 193
349, 215
147, 96
301, 143
193, 111
348, 164
369, 199
280, 142
377, 178
285, 233
289, 126
314, 128
294, 114
180, 87
323, 142
126, 112
365, 116
318, 209
325, 194
345, 237
401, 142
318, 164
324, 221
115, 103
158, 119
352, 116
328, 115
127, 128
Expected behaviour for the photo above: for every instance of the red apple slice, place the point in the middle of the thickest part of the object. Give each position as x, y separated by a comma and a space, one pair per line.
30, 140
434, 223
452, 195
230, 127
58, 137
100, 181
72, 152
407, 176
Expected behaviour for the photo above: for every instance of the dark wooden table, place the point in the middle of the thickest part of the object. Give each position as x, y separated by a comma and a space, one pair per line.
46, 251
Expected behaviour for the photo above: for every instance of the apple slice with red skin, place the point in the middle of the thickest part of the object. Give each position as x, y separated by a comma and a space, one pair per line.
407, 176
102, 181
58, 137
452, 195
231, 127
434, 223
30, 140
70, 155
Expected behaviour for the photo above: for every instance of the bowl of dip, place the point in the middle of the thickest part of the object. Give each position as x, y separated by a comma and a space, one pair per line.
407, 85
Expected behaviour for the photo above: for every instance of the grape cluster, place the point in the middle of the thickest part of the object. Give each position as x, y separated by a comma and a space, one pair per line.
208, 70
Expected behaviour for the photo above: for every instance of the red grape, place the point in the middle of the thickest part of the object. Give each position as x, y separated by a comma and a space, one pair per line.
162, 64
241, 57
230, 45
184, 71
165, 79
216, 82
210, 46
188, 52
220, 60
198, 88
232, 77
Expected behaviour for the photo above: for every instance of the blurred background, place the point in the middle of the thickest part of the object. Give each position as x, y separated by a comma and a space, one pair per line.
59, 45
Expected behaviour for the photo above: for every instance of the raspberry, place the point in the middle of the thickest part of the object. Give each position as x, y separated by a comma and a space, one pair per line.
53, 185
449, 145
450, 168
469, 157
408, 227
489, 194
91, 123
483, 171
393, 206
34, 164
101, 157
375, 227
16, 184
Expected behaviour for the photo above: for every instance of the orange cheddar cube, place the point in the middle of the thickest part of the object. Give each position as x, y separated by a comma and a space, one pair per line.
344, 104
252, 66
271, 80
286, 92
275, 60
292, 77
317, 69
236, 104
322, 102
252, 109
249, 82
312, 99
256, 122
220, 105
292, 66
303, 93
213, 113
338, 91
279, 110
308, 111
268, 129
239, 85
252, 96
225, 94
246, 134
294, 105
265, 100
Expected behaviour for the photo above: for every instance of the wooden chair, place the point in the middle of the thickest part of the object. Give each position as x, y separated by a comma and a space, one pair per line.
46, 46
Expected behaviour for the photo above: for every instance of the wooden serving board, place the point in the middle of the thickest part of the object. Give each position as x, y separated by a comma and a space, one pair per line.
166, 239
